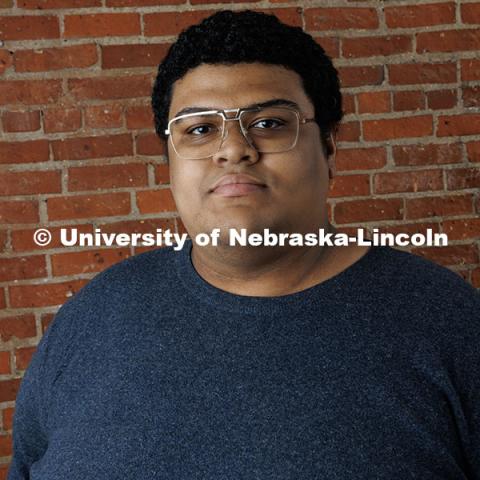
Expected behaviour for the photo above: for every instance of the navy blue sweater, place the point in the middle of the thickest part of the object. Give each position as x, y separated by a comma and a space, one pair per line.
149, 372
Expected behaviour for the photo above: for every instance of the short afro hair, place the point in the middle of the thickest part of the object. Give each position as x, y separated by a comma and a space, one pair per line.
229, 37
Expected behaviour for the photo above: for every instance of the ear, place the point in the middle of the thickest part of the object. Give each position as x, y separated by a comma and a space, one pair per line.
331, 152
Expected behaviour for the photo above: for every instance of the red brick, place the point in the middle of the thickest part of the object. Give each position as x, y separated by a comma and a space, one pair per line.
420, 15
385, 129
155, 201
349, 132
348, 103
138, 55
6, 3
104, 116
5, 444
421, 73
2, 298
473, 152
171, 23
476, 278
111, 87
442, 206
376, 46
6, 60
198, 2
449, 254
331, 45
102, 25
149, 144
143, 3
470, 13
139, 116
5, 367
461, 178
101, 177
341, 18
408, 100
162, 174
3, 241
22, 239
471, 96
7, 418
23, 356
29, 27
349, 186
449, 125
147, 225
21, 121
462, 229
359, 76
290, 16
30, 92
93, 147
32, 266
88, 206
470, 69
442, 99
374, 102
45, 4
46, 319
43, 295
30, 183
368, 210
24, 152
448, 41
18, 212
62, 119
360, 159
72, 263
9, 389
18, 326
46, 59
416, 181
429, 154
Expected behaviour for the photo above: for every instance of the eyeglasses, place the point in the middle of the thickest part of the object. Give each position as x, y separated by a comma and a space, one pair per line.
266, 129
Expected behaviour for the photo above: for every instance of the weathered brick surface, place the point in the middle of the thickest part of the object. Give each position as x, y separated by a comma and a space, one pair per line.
78, 147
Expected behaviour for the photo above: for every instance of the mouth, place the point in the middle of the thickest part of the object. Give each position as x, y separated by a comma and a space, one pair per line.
237, 189
237, 185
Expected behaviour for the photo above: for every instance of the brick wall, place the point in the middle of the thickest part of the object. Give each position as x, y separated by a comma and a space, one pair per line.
77, 144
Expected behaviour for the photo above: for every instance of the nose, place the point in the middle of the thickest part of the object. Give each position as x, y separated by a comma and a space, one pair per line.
235, 148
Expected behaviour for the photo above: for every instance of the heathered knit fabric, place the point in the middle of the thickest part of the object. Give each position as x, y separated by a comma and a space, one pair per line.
149, 372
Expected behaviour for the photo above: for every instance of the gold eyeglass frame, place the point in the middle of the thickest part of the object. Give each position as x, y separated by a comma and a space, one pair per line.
237, 117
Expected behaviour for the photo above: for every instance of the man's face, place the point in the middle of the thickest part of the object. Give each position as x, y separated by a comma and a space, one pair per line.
294, 184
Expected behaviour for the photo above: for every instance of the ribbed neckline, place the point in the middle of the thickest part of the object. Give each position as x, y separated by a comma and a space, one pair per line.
221, 299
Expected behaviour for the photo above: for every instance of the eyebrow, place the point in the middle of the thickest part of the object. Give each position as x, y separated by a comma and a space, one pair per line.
275, 102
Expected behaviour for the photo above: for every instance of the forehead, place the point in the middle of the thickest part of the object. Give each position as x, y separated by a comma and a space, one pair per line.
232, 86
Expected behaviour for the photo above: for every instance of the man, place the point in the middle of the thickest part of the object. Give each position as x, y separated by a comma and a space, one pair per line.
255, 362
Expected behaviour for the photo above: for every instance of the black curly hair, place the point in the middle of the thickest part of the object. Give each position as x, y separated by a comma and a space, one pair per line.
229, 37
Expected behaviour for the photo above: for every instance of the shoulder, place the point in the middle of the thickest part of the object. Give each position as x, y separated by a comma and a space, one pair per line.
410, 271
420, 290
118, 288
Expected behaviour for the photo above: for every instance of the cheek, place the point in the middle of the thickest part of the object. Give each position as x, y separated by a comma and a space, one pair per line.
185, 181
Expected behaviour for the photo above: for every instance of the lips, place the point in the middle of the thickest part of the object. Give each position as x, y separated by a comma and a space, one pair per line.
236, 184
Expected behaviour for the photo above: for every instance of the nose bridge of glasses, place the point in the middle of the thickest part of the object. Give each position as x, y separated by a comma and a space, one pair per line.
242, 134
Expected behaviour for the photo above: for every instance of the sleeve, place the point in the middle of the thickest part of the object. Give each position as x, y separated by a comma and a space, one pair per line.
29, 434
468, 371
33, 402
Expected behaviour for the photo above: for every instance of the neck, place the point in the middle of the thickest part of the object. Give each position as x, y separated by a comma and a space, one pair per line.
264, 271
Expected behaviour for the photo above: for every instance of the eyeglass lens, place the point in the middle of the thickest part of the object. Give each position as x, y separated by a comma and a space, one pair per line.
269, 130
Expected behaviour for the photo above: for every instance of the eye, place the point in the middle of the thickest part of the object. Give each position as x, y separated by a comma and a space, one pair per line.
201, 130
267, 123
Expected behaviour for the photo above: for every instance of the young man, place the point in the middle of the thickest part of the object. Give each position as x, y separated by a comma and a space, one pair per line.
255, 362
